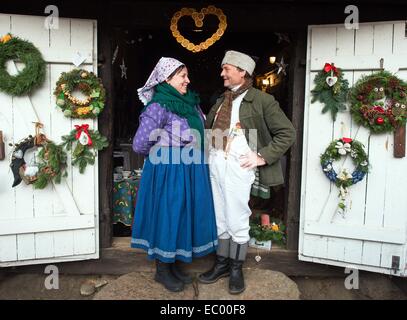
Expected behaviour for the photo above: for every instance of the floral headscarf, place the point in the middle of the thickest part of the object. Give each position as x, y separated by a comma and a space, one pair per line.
161, 72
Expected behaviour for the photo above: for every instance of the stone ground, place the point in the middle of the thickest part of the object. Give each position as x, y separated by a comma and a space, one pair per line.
140, 285
261, 284
132, 278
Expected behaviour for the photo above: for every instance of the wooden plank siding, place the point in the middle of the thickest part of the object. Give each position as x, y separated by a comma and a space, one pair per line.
374, 228
39, 226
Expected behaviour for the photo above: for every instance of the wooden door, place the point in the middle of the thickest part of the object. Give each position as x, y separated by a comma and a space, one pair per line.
372, 236
60, 222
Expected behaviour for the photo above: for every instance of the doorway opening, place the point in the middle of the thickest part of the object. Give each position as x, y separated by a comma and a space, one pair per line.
136, 51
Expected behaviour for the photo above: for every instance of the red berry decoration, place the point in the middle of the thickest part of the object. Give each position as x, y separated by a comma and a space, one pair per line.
376, 102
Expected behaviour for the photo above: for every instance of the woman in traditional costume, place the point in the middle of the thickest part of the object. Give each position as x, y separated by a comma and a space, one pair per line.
174, 217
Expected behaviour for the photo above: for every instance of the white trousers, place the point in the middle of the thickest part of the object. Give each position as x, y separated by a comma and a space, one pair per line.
231, 185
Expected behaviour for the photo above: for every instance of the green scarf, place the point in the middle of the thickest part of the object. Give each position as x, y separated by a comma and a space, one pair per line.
182, 105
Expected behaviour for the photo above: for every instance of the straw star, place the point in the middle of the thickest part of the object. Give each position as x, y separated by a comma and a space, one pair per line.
281, 66
124, 69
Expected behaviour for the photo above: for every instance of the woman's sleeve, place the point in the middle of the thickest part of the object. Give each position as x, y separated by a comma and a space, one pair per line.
153, 118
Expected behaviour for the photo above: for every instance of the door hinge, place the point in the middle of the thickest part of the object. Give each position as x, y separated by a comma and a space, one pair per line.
395, 263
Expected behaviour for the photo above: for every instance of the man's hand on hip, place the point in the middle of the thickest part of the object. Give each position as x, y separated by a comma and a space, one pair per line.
251, 160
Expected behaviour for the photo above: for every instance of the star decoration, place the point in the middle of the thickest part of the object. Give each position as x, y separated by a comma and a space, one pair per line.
124, 70
281, 66
282, 37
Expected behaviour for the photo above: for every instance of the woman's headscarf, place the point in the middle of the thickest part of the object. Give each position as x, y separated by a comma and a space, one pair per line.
163, 69
157, 90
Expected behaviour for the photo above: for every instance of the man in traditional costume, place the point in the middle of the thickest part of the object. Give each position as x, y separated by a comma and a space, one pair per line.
258, 134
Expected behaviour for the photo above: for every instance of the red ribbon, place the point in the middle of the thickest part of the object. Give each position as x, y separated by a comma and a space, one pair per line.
378, 109
80, 129
330, 66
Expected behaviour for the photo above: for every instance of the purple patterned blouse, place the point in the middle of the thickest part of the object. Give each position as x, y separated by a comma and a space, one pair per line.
162, 127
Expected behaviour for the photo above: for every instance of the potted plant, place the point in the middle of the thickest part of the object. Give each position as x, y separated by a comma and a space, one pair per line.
265, 231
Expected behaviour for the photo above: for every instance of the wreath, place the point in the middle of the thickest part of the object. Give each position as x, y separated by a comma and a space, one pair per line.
330, 89
88, 84
31, 77
378, 102
88, 142
50, 167
198, 18
337, 149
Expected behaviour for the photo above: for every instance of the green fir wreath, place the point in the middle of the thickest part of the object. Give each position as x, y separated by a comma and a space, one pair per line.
331, 89
31, 77
87, 143
87, 83
379, 101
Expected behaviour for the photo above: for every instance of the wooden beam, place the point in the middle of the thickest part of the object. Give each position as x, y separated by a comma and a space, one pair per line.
390, 62
106, 123
296, 105
393, 234
46, 224
400, 142
120, 262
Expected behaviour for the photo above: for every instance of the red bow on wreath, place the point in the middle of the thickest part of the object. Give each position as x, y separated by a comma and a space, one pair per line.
330, 67
83, 129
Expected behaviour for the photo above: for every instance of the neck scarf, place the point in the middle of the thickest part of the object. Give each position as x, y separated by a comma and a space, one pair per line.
223, 116
182, 105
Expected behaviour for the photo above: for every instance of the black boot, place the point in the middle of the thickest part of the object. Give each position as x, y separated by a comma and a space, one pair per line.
179, 274
236, 279
219, 270
221, 267
238, 256
166, 278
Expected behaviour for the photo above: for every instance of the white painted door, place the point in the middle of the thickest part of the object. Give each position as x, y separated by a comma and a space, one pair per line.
372, 236
59, 223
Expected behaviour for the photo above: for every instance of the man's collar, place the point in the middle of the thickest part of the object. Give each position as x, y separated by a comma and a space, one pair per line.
249, 96
236, 88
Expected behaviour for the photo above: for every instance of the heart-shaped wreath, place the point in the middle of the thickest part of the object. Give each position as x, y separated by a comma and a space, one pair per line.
198, 19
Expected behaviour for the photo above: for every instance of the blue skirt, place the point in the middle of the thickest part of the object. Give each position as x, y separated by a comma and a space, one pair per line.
174, 217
